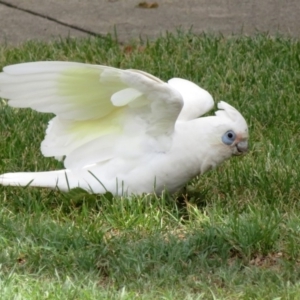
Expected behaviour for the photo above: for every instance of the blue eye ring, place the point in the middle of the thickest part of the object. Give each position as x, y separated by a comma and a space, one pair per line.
229, 137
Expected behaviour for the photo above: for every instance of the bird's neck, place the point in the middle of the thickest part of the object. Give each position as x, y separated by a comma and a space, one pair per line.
195, 142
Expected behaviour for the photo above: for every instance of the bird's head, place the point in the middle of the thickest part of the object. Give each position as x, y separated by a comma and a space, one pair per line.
232, 130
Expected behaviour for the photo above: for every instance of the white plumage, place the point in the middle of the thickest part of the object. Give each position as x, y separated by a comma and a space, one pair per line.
124, 131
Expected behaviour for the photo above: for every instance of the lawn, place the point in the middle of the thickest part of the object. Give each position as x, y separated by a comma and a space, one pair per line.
234, 233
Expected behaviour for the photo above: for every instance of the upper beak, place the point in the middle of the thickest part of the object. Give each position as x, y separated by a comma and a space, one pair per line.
242, 147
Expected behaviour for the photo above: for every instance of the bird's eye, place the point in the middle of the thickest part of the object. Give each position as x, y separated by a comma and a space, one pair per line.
229, 137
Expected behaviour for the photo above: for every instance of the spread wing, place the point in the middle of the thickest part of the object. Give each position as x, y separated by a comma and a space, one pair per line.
99, 110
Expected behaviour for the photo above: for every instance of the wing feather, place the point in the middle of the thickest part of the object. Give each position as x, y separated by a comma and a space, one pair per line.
197, 101
96, 107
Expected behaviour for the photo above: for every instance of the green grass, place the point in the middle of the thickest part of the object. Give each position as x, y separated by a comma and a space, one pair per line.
235, 234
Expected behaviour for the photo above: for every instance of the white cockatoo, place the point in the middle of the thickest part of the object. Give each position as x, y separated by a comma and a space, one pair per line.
123, 131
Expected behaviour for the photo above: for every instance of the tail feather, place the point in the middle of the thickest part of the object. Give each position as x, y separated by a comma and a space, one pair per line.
63, 179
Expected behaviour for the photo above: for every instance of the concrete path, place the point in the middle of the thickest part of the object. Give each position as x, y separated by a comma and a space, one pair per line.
47, 19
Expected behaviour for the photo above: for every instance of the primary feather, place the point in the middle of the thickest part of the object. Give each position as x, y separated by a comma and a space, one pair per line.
125, 131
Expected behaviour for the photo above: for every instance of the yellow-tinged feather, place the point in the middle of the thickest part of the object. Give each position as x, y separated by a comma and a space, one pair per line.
64, 136
86, 89
102, 126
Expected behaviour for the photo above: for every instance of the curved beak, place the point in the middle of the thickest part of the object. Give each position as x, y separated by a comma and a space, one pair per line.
242, 147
